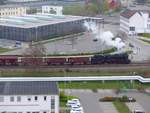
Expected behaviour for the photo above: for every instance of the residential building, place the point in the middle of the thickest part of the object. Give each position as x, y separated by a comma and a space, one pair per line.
29, 97
23, 0
52, 9
9, 10
133, 22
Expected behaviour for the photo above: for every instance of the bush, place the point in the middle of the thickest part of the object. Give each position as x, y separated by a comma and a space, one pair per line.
94, 90
107, 99
124, 98
120, 99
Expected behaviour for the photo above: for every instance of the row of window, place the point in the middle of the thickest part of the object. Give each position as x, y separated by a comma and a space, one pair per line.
3, 9
12, 13
18, 98
28, 112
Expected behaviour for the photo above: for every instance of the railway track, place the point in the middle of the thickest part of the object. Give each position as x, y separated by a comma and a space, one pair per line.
82, 67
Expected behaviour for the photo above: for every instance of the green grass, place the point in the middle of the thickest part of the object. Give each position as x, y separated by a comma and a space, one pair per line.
121, 107
41, 73
146, 35
107, 51
103, 85
64, 98
2, 50
147, 41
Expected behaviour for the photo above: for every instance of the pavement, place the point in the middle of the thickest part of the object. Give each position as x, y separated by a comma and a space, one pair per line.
141, 50
108, 107
135, 106
90, 100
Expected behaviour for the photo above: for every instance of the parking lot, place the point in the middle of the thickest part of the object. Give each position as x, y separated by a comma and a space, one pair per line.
90, 100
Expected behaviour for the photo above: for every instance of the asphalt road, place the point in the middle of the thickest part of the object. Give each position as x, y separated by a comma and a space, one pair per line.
91, 104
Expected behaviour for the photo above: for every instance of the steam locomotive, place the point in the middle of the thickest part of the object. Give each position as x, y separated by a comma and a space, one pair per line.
14, 60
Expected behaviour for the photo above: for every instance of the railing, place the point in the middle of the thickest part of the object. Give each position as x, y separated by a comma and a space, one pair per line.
95, 78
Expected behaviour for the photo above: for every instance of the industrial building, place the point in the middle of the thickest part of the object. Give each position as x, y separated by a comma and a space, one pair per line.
29, 97
40, 26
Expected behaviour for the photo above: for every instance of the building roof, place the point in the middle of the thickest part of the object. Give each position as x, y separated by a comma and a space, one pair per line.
128, 13
28, 88
29, 21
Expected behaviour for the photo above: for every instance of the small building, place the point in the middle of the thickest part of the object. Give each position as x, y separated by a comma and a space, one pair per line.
29, 97
52, 9
9, 10
23, 0
133, 22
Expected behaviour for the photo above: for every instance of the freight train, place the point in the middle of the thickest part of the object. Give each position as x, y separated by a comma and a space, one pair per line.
14, 60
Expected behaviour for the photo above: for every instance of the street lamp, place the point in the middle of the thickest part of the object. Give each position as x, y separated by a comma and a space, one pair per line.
36, 33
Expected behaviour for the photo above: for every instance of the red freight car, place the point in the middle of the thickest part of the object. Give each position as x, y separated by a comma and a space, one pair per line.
8, 60
79, 60
55, 61
31, 61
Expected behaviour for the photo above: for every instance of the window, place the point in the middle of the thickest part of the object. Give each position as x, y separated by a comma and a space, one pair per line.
35, 98
52, 103
11, 99
45, 98
44, 112
29, 98
1, 99
18, 98
28, 112
132, 28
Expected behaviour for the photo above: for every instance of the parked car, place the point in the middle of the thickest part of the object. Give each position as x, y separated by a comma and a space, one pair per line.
71, 103
138, 111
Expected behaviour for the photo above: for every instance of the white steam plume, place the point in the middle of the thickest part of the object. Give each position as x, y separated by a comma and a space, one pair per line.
105, 36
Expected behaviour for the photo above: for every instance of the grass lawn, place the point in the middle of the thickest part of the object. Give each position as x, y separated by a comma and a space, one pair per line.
61, 73
2, 50
146, 35
121, 107
64, 98
147, 41
103, 85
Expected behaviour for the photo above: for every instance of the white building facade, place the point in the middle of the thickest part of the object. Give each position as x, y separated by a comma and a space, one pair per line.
34, 103
12, 11
23, 0
58, 10
135, 22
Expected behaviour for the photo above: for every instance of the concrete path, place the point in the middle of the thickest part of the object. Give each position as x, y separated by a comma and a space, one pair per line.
108, 107
134, 106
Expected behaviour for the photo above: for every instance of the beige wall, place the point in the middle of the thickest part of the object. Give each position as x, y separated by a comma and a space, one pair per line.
13, 11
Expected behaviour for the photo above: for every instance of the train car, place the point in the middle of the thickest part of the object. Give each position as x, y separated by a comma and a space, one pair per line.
55, 60
79, 60
110, 59
117, 59
6, 60
64, 60
98, 59
30, 61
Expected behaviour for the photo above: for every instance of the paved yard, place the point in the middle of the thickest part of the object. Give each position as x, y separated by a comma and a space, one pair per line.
91, 104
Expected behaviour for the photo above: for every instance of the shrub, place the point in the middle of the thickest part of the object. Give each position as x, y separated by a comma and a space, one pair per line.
107, 99
124, 98
94, 90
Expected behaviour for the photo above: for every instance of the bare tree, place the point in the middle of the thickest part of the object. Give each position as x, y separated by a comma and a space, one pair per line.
34, 54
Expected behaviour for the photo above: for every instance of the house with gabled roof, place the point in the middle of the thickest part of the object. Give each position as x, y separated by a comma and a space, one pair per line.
133, 22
